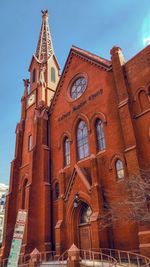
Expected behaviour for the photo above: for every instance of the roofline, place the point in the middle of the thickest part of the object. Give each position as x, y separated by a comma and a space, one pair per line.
137, 54
59, 81
91, 55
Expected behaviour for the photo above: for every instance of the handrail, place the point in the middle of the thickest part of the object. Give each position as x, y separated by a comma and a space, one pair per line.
25, 259
44, 256
93, 256
126, 258
112, 256
63, 257
88, 255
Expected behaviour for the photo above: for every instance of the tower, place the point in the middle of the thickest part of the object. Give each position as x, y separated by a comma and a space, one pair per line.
29, 178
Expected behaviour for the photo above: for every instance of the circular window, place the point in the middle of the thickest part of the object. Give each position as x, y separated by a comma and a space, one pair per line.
78, 87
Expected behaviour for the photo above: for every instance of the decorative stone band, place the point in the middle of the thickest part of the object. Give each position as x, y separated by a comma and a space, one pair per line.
123, 103
130, 148
144, 245
144, 232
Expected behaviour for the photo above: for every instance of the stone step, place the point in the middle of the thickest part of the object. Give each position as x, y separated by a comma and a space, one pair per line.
54, 264
82, 264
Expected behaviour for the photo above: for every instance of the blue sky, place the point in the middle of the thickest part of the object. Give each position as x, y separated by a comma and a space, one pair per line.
94, 25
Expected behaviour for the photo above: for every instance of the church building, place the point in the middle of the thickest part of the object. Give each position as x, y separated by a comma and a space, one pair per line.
80, 135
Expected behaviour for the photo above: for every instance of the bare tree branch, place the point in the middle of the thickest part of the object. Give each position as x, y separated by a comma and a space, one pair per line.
132, 204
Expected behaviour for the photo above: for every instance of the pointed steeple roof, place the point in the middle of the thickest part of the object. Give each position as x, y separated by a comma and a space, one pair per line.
45, 47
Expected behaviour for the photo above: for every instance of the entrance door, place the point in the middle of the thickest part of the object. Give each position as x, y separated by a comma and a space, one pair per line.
85, 237
84, 228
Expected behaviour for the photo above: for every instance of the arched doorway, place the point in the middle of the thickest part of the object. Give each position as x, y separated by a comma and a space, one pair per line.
84, 227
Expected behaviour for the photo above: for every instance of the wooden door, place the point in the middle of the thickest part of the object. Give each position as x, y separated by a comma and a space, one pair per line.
85, 237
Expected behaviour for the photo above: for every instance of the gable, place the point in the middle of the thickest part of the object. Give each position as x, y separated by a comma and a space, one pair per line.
81, 174
76, 58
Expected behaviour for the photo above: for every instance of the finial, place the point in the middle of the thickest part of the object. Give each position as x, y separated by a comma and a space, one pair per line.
26, 84
117, 51
44, 13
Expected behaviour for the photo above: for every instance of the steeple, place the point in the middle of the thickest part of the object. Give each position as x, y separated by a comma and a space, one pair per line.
45, 47
44, 67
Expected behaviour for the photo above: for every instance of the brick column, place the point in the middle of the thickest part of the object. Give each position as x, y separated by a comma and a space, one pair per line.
59, 226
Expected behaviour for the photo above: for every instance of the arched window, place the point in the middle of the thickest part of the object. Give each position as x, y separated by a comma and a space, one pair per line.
24, 194
33, 75
30, 142
53, 77
56, 190
66, 151
104, 199
86, 213
119, 169
143, 100
100, 135
82, 140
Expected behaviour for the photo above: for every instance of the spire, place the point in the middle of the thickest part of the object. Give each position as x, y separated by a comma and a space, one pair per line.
45, 47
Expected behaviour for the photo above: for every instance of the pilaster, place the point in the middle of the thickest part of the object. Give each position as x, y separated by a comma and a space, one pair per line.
130, 152
59, 229
124, 110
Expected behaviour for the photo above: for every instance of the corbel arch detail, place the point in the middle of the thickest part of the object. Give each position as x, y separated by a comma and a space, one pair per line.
142, 99
24, 192
24, 177
114, 158
98, 115
83, 197
78, 118
142, 88
63, 136
54, 182
148, 90
55, 189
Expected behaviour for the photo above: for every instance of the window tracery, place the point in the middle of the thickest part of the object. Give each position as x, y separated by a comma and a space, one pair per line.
66, 151
86, 213
119, 169
78, 87
100, 138
82, 140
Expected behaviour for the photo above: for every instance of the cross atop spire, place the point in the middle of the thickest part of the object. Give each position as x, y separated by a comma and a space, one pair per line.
45, 47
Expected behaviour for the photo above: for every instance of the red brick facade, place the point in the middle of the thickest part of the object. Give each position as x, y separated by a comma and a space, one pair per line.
55, 195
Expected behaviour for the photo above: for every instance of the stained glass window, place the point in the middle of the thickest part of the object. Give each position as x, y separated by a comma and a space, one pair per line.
78, 87
100, 135
66, 151
82, 140
119, 169
85, 214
